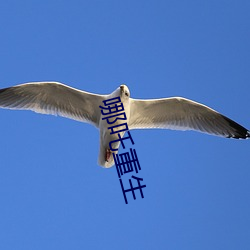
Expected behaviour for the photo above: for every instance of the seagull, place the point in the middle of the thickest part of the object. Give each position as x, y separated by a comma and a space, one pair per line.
175, 113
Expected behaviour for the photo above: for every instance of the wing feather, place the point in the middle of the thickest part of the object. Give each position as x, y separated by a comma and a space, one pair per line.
53, 98
182, 114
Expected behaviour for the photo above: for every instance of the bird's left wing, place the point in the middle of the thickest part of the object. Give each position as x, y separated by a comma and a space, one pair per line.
53, 98
182, 114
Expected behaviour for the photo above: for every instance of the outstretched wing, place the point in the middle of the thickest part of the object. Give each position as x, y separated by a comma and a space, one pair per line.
55, 99
182, 114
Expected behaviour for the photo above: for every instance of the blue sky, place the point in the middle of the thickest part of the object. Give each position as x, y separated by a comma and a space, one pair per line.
55, 196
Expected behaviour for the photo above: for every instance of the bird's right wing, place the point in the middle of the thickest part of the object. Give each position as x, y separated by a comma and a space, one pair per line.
182, 114
53, 98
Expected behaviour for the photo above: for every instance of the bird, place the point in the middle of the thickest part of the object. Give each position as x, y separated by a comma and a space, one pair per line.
175, 113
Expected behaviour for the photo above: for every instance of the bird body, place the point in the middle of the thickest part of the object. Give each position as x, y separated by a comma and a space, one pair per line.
166, 113
106, 136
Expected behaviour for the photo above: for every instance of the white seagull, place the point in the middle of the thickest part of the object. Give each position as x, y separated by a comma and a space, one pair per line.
175, 113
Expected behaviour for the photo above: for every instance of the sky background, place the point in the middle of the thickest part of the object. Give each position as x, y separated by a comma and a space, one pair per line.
53, 195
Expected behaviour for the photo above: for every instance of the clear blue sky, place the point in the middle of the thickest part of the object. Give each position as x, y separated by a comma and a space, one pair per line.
53, 195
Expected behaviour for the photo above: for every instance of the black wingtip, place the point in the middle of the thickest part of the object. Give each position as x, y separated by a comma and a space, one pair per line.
239, 131
3, 90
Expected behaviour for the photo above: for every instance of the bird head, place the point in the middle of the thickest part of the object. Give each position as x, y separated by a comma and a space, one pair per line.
124, 91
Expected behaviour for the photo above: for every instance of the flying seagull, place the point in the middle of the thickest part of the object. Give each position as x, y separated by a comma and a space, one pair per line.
176, 113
